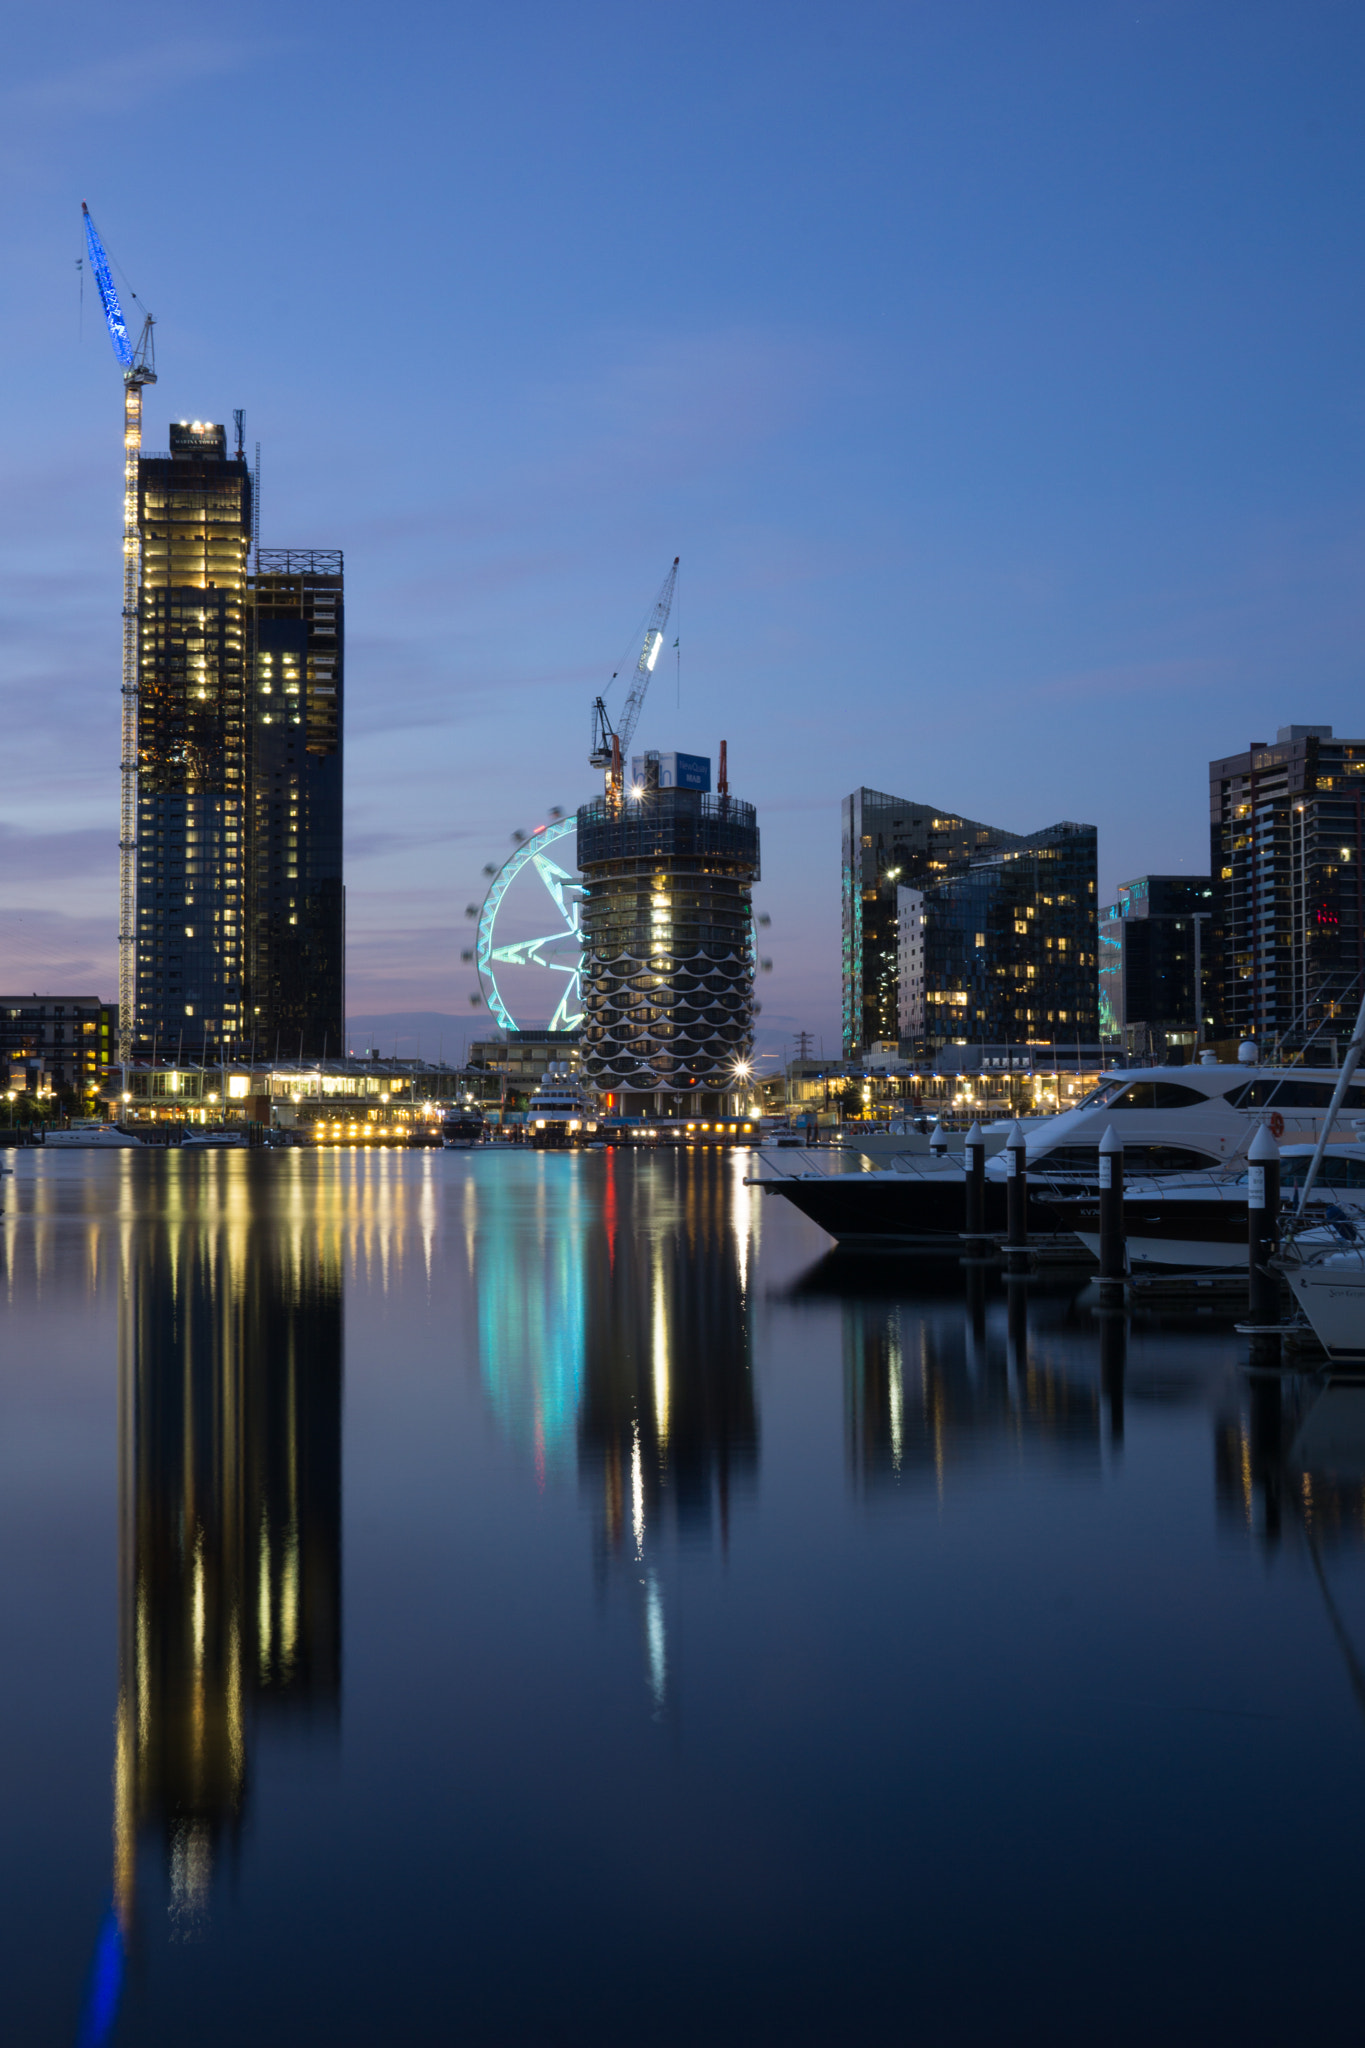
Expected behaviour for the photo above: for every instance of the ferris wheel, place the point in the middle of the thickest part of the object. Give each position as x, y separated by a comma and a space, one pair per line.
520, 974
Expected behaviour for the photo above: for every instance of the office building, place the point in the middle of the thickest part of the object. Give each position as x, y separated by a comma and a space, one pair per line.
194, 514
296, 917
911, 1008
890, 839
1154, 951
668, 947
1286, 843
239, 917
1001, 943
55, 1044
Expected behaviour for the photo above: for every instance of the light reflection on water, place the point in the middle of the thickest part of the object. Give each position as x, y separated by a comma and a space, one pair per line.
822, 1599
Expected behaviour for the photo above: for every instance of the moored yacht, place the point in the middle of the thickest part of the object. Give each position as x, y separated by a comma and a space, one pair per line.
560, 1112
1196, 1120
1200, 1219
89, 1133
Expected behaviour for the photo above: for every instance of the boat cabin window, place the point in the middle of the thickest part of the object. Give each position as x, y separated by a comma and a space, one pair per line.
1158, 1095
1105, 1093
1136, 1159
1268, 1093
1333, 1173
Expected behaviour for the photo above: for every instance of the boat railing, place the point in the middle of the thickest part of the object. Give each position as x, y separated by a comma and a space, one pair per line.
824, 1163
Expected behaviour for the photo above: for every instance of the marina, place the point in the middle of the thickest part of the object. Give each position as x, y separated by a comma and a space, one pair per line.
896, 1593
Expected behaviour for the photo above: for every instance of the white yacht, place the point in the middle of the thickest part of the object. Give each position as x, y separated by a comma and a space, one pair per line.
560, 1112
1325, 1267
1196, 1120
89, 1133
1200, 1219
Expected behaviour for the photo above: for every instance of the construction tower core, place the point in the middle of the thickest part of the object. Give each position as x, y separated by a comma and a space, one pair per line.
668, 946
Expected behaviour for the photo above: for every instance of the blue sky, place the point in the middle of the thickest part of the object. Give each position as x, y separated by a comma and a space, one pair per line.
995, 369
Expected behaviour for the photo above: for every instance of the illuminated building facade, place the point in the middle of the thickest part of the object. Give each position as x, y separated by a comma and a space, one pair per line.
1154, 953
668, 947
50, 1043
240, 923
1286, 842
1010, 943
296, 948
1005, 944
194, 513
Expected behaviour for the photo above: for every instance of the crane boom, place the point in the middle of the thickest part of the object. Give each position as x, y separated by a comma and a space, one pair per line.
603, 754
139, 368
109, 298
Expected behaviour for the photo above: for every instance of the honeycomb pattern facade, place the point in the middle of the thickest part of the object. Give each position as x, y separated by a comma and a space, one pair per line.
668, 943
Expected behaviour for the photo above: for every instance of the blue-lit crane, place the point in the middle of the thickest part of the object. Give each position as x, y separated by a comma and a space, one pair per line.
608, 746
138, 362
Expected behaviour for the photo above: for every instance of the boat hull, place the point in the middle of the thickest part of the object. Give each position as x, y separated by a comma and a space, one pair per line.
92, 1141
871, 1211
1333, 1299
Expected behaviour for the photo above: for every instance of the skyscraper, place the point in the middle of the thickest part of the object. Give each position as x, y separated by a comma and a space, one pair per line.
668, 944
296, 939
1001, 945
194, 511
239, 924
890, 839
1287, 843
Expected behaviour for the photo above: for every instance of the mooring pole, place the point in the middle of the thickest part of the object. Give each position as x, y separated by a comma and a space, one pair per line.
975, 1187
1113, 1245
1016, 1201
1263, 1221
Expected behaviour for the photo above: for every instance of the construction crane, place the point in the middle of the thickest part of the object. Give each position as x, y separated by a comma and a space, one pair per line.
138, 362
609, 745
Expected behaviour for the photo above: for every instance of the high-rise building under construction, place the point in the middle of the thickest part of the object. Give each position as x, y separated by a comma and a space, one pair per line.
239, 914
668, 942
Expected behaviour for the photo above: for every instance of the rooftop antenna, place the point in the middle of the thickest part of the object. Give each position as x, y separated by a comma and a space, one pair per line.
138, 363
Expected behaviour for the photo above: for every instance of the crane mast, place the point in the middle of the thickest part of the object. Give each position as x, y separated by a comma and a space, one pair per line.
139, 368
609, 745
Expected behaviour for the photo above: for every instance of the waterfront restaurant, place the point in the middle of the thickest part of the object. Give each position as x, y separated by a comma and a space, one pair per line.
339, 1102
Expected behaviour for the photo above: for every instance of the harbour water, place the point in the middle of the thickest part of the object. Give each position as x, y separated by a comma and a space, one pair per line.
551, 1598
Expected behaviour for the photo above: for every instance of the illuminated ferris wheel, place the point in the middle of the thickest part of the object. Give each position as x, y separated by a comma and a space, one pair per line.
529, 948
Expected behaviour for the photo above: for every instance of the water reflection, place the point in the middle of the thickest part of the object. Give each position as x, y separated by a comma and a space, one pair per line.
667, 1424
942, 1370
1289, 1459
230, 1378
527, 1247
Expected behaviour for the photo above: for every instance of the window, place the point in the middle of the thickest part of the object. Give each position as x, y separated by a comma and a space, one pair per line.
1157, 1095
1136, 1159
1271, 1094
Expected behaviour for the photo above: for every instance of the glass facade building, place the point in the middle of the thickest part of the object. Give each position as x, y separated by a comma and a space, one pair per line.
296, 938
239, 920
1155, 947
668, 945
1005, 945
1286, 840
194, 511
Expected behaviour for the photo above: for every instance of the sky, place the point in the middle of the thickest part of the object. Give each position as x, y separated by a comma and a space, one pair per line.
995, 370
